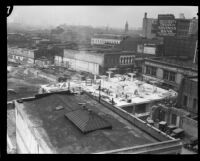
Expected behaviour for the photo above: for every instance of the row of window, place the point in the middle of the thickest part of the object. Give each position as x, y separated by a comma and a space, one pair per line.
99, 41
167, 75
126, 60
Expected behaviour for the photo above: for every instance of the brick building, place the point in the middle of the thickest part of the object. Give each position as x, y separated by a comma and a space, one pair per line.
188, 95
97, 61
168, 71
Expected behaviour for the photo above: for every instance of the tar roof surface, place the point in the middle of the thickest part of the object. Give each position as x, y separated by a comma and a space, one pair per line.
63, 137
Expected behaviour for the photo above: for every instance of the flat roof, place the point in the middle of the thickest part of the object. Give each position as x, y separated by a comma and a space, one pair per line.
62, 136
194, 79
138, 92
108, 36
184, 63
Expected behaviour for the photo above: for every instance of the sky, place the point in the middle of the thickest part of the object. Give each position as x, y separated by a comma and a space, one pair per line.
112, 16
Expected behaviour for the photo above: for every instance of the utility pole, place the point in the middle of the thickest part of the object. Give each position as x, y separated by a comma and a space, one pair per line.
100, 91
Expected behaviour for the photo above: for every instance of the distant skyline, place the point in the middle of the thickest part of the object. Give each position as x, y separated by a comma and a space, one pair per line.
96, 16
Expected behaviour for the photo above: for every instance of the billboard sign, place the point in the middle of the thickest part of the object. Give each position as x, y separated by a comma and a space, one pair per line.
149, 50
166, 25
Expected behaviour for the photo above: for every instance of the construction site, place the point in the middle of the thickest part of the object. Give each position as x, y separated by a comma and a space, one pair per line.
126, 95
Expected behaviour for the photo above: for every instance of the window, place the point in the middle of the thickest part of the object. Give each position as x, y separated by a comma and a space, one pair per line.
121, 60
132, 60
129, 60
148, 70
151, 70
173, 121
194, 103
126, 60
166, 75
170, 76
185, 99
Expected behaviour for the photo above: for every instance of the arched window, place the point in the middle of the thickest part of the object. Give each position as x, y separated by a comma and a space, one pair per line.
129, 60
126, 60
132, 60
122, 60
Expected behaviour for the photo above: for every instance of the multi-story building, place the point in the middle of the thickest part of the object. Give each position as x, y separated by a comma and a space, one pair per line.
168, 71
149, 27
45, 56
186, 27
188, 95
179, 46
96, 61
183, 113
40, 56
21, 55
193, 30
182, 27
168, 25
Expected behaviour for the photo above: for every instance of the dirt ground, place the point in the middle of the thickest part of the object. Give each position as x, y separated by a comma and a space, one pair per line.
23, 82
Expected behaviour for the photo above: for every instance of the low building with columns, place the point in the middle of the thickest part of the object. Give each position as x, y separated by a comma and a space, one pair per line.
106, 39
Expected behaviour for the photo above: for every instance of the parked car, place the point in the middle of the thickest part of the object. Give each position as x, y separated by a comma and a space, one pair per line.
170, 128
177, 133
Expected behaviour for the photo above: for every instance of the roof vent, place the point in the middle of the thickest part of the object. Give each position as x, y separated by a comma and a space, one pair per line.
87, 121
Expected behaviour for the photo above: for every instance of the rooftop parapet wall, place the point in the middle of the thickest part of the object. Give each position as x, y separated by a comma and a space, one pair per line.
175, 64
154, 132
166, 147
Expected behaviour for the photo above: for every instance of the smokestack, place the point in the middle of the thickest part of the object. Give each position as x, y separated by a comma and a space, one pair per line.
181, 15
145, 15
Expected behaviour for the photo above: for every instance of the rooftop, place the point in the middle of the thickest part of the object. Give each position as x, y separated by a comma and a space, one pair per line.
183, 62
61, 134
108, 36
122, 89
195, 79
127, 92
130, 44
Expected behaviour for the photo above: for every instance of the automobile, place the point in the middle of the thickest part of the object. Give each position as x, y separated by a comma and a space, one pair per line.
192, 144
177, 133
170, 128
194, 141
